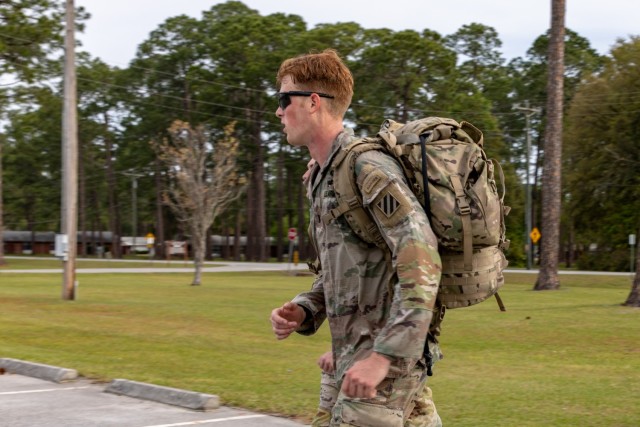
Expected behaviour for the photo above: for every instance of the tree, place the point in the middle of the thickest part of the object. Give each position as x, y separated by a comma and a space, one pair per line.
527, 84
603, 159
395, 77
243, 50
633, 300
204, 180
165, 82
30, 30
2, 262
32, 161
481, 63
551, 178
101, 144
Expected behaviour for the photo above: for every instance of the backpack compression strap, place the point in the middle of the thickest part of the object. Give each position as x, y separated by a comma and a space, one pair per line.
465, 215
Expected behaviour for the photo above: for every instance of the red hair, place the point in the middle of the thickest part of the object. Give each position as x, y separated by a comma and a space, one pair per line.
322, 72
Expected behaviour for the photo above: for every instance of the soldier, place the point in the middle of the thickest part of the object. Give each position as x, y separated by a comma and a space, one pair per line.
379, 304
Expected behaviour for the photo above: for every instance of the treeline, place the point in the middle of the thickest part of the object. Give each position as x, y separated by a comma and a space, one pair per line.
221, 68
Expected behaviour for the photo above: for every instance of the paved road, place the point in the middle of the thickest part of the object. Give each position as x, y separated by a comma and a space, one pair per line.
169, 267
32, 402
228, 266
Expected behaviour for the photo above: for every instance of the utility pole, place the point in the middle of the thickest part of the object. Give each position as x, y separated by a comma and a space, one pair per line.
528, 112
69, 214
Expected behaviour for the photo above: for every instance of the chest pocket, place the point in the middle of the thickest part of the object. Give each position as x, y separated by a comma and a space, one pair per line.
324, 200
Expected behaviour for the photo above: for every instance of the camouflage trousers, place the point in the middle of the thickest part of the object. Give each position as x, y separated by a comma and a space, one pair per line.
401, 402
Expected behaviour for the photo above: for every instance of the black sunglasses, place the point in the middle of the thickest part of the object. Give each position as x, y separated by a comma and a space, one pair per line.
284, 98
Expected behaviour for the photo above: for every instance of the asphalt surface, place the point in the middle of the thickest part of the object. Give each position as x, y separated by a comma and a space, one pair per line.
32, 402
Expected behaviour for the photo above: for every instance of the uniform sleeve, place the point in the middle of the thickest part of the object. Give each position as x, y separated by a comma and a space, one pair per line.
313, 303
405, 227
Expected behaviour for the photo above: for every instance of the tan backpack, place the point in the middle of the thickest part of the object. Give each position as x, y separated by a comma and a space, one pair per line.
462, 201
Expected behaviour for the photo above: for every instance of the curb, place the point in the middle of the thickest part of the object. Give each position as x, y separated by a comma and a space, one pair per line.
38, 370
167, 395
171, 396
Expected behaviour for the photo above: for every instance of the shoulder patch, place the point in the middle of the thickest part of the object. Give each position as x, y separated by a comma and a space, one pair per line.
383, 196
371, 181
391, 206
388, 205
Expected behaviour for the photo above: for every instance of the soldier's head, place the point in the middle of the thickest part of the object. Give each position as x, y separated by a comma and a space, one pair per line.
323, 74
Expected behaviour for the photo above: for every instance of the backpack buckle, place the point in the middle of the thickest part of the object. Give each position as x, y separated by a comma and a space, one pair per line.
461, 200
465, 209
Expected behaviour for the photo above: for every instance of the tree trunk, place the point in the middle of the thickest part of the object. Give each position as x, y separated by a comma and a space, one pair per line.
2, 261
256, 239
198, 237
250, 247
280, 196
82, 203
208, 251
551, 174
302, 223
259, 205
114, 218
633, 300
236, 236
31, 223
226, 247
571, 251
159, 231
96, 225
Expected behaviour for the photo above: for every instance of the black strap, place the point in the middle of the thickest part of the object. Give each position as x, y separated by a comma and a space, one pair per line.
425, 175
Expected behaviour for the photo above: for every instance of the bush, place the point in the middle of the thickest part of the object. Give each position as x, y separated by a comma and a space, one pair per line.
616, 259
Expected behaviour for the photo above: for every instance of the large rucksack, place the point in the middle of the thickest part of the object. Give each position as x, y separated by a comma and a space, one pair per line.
465, 209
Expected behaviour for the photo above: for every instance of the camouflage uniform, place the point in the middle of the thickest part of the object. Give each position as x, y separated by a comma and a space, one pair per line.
328, 396
424, 412
374, 303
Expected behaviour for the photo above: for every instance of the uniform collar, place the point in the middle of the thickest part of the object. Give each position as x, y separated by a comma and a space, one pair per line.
343, 138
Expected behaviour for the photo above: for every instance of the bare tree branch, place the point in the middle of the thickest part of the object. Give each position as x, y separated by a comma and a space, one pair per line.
203, 180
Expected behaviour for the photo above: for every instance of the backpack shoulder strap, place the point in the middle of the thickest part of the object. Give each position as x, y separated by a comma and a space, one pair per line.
348, 195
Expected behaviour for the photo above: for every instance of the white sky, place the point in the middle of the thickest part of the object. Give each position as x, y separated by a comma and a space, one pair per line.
117, 27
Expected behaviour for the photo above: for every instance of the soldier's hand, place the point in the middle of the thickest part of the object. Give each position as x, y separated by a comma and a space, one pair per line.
286, 319
364, 376
326, 362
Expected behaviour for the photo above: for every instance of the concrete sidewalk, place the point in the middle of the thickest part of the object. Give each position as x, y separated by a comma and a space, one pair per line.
27, 401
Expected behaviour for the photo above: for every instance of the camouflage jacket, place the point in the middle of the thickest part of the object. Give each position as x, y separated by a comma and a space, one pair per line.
372, 304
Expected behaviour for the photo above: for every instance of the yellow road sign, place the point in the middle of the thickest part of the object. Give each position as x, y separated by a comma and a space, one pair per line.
535, 235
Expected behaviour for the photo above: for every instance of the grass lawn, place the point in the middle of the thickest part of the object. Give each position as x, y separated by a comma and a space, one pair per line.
563, 358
